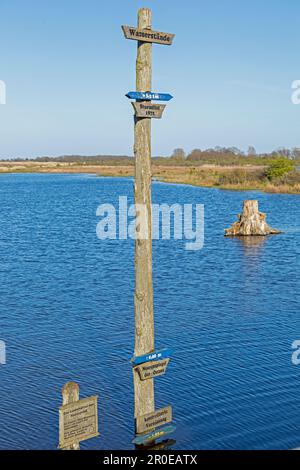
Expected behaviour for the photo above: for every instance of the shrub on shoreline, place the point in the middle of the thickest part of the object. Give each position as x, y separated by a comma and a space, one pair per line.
279, 167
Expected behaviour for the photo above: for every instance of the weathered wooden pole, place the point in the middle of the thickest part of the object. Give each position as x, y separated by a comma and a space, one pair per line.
70, 394
147, 419
144, 316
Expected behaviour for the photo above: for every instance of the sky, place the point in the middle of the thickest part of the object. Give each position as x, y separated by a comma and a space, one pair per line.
67, 68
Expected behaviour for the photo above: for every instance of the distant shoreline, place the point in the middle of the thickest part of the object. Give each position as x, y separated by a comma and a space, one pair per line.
230, 177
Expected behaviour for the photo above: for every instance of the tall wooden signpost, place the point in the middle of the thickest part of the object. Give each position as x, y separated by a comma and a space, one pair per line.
144, 111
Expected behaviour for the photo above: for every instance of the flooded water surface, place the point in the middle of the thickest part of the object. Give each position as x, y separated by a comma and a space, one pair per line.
230, 312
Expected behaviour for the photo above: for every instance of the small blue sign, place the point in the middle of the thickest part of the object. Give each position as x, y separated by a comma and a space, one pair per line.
148, 96
153, 356
151, 436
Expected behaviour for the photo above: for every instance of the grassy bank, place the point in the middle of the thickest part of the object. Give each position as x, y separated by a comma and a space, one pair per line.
234, 177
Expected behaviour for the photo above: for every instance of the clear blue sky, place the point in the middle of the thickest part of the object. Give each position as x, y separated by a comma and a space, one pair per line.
67, 68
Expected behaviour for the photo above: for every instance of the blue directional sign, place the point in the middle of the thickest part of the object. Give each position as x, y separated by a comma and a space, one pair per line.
151, 436
148, 96
153, 356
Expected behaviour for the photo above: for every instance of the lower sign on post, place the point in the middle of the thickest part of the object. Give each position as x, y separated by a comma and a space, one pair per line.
78, 421
153, 420
149, 370
152, 436
148, 110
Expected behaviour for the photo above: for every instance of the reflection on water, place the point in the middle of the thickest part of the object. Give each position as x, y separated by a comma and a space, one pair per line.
252, 244
252, 252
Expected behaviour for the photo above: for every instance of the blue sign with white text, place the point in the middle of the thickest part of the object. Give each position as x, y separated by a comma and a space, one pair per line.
151, 436
148, 96
153, 356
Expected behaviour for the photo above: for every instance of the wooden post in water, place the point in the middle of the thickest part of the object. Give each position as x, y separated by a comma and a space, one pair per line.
144, 316
70, 394
144, 349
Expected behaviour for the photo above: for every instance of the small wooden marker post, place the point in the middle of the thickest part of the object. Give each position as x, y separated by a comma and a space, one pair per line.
144, 403
70, 394
78, 419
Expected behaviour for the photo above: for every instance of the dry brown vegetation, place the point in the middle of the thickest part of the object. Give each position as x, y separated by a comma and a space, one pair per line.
235, 177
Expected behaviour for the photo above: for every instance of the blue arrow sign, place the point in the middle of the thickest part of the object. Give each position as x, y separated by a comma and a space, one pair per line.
153, 356
151, 436
148, 96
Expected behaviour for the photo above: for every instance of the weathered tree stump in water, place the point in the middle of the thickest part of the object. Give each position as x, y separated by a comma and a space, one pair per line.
250, 222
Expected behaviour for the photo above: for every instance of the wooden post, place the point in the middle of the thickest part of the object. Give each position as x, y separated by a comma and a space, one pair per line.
70, 394
144, 317
144, 348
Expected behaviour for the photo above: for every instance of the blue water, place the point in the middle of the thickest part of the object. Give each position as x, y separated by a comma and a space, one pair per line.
230, 312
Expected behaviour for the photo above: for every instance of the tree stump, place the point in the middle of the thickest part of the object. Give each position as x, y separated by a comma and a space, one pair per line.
250, 222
